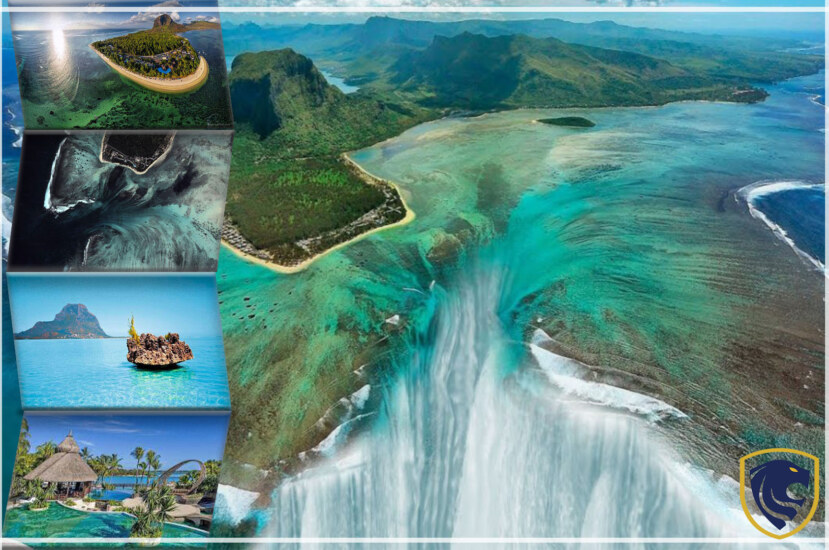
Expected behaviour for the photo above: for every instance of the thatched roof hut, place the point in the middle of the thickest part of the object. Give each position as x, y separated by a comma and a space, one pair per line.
65, 466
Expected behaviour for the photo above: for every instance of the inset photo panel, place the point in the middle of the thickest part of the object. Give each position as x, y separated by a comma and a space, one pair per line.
118, 341
121, 70
109, 201
116, 476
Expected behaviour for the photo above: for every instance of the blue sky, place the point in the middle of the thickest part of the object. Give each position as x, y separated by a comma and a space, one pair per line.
174, 437
186, 304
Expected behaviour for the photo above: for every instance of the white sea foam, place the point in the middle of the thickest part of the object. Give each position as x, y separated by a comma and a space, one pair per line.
233, 504
47, 199
752, 192
359, 397
337, 437
564, 372
18, 130
6, 228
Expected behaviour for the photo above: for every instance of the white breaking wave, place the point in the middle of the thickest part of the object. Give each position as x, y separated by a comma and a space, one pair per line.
233, 504
564, 372
750, 193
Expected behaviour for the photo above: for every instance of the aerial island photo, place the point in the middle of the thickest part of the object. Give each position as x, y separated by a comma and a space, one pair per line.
114, 201
119, 342
115, 476
515, 275
120, 70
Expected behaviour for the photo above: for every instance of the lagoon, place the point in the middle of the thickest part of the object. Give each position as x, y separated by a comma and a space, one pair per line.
625, 244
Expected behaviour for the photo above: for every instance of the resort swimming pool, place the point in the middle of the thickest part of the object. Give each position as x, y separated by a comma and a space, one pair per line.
60, 521
110, 494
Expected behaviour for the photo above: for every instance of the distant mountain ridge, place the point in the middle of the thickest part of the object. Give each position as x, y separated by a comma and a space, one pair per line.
73, 321
363, 51
474, 71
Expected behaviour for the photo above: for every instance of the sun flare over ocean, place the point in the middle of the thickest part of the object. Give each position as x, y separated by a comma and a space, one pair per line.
59, 43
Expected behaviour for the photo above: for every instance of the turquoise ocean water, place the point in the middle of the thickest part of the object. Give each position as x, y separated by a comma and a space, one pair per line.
108, 381
625, 240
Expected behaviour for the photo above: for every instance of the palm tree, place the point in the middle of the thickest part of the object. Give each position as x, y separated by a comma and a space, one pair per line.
143, 526
142, 467
46, 449
86, 454
153, 462
112, 464
97, 466
137, 454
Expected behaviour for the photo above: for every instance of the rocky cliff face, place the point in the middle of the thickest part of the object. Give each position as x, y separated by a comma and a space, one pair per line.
164, 20
270, 89
158, 351
73, 321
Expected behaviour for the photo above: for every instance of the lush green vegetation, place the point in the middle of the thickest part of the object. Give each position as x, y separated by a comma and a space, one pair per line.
287, 180
146, 463
40, 493
572, 121
159, 502
363, 53
150, 52
473, 71
209, 485
277, 203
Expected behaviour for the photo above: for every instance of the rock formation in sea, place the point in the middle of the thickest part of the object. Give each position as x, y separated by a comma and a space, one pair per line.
73, 321
157, 351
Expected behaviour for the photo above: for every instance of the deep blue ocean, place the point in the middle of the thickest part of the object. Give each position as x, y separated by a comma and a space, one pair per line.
801, 213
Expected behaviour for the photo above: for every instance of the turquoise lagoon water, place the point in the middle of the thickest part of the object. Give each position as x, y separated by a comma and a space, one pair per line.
625, 243
60, 521
109, 381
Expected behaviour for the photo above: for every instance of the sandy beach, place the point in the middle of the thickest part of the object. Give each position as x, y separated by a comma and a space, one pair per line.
167, 86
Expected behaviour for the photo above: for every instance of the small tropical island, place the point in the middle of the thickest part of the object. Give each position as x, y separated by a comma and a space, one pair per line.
568, 121
158, 59
149, 351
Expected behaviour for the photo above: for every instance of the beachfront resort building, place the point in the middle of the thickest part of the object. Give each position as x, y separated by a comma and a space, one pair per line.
70, 473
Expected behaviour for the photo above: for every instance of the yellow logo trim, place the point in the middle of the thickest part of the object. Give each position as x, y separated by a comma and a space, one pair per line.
815, 500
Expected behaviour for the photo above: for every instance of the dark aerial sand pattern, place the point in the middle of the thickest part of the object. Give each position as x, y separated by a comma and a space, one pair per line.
625, 244
157, 206
65, 85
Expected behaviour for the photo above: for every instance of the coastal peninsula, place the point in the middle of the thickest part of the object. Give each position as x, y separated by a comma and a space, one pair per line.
157, 59
291, 156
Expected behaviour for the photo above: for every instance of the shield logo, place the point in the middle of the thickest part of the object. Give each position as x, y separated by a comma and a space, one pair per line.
780, 483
